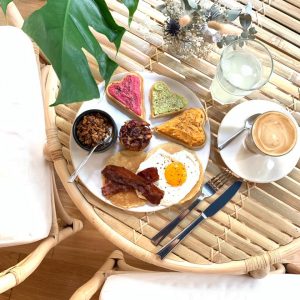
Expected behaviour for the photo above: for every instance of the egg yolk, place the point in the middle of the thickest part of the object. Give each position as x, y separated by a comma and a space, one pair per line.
175, 174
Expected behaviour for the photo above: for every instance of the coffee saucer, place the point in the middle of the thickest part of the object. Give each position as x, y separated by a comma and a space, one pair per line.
244, 163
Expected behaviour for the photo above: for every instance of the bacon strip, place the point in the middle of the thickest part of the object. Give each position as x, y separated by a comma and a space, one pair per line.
149, 174
124, 176
111, 188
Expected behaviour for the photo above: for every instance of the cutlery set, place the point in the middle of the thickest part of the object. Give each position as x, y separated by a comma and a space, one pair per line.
208, 190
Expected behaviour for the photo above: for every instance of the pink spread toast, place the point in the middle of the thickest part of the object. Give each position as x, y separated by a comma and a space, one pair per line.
129, 94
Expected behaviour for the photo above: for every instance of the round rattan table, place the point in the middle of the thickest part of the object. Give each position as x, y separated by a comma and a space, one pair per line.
260, 227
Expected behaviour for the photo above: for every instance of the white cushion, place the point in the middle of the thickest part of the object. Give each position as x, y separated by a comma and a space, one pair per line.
25, 190
191, 286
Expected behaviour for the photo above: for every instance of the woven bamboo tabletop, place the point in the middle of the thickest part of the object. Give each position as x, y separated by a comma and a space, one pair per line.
261, 225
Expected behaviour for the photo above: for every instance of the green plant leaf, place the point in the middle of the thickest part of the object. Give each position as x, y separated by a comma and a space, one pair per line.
220, 44
214, 13
190, 5
4, 4
252, 30
244, 34
61, 29
241, 43
248, 8
245, 20
232, 14
230, 38
193, 4
132, 6
161, 7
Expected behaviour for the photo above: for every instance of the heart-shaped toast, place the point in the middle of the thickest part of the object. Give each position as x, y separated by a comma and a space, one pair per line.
129, 94
187, 128
164, 101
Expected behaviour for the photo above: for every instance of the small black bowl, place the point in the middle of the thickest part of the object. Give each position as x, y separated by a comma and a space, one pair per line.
110, 120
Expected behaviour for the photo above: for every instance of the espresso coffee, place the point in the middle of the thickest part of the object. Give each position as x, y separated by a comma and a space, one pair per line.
273, 133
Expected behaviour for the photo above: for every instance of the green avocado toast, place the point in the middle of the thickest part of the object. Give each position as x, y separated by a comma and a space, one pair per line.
164, 101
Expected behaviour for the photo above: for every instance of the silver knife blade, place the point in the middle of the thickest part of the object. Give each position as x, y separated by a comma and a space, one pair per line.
212, 209
220, 202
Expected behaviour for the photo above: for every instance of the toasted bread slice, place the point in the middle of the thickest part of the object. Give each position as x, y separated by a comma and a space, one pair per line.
164, 102
128, 93
186, 129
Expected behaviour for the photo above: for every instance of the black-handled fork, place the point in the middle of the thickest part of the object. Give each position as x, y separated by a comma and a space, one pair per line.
209, 189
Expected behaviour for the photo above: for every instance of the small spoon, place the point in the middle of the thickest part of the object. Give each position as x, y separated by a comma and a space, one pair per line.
75, 173
248, 124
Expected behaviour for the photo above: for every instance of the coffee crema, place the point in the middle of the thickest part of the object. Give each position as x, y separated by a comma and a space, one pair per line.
274, 133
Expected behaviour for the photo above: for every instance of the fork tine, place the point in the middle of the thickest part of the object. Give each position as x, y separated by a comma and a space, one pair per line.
217, 177
219, 180
223, 181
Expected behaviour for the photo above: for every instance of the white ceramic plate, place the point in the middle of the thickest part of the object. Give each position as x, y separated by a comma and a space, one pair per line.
254, 167
90, 175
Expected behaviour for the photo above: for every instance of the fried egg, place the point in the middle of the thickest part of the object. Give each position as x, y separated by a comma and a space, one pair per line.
178, 174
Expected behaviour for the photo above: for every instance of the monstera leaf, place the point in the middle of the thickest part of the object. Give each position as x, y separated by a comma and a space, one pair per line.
61, 30
132, 6
4, 4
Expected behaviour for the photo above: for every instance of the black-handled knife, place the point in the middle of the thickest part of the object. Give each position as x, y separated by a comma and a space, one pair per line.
212, 209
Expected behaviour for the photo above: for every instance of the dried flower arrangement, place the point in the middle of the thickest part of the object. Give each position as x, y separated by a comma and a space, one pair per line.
192, 27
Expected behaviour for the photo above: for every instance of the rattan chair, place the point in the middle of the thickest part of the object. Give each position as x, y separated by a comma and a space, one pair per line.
63, 226
116, 264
